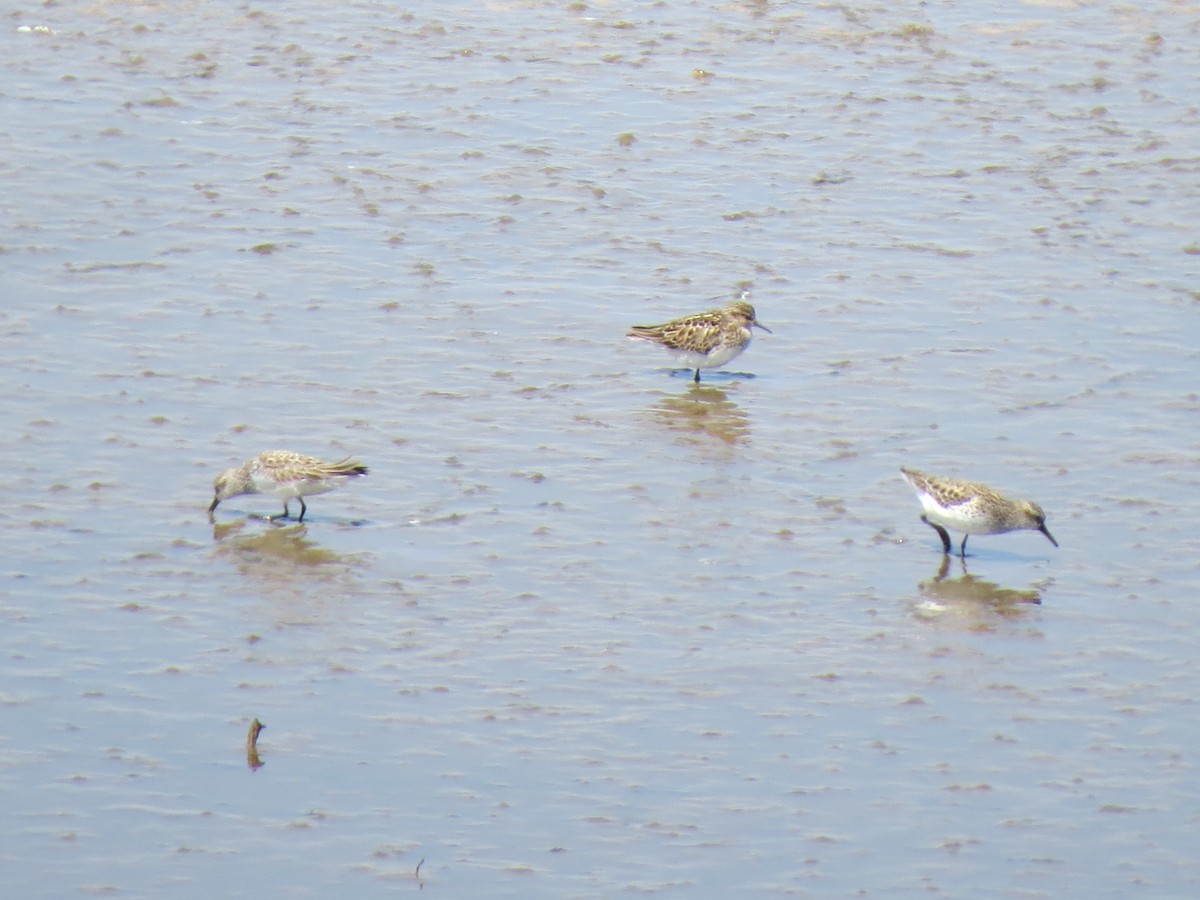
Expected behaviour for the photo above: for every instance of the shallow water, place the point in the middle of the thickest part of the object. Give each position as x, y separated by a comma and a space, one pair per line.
588, 629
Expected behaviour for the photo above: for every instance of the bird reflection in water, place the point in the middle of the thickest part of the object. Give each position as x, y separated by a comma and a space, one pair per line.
703, 413
280, 554
971, 601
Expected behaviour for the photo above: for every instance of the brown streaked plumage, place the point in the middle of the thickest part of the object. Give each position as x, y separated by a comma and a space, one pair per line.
972, 508
705, 340
286, 475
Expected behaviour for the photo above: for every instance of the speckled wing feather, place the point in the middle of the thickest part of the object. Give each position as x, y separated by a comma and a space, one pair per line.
698, 334
347, 466
285, 465
949, 493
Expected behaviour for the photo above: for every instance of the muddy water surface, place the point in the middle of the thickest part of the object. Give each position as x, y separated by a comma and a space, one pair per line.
588, 629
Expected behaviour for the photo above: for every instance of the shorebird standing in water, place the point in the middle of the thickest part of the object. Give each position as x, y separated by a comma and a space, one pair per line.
287, 475
705, 340
972, 508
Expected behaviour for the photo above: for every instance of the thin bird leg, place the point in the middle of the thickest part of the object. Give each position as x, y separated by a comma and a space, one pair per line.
283, 515
962, 551
303, 509
697, 378
941, 533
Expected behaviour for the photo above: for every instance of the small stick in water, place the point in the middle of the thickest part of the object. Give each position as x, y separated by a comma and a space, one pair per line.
252, 759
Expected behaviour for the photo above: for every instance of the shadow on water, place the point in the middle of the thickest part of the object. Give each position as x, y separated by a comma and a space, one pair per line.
970, 601
709, 376
703, 413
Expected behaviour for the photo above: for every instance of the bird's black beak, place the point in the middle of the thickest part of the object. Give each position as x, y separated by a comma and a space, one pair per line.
763, 327
1046, 531
217, 500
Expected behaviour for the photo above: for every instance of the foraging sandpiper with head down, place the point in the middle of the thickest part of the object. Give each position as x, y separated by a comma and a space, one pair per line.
286, 475
972, 508
705, 340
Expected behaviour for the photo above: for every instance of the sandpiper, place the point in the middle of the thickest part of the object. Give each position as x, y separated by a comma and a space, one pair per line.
287, 475
972, 508
705, 340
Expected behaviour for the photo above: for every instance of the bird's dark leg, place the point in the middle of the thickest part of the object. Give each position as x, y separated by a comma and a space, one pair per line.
303, 509
697, 378
946, 545
962, 551
283, 515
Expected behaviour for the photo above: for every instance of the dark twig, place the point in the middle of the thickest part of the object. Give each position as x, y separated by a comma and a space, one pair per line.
252, 759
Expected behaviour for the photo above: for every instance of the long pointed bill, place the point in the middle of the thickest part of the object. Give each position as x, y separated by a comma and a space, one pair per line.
763, 327
217, 500
1046, 531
